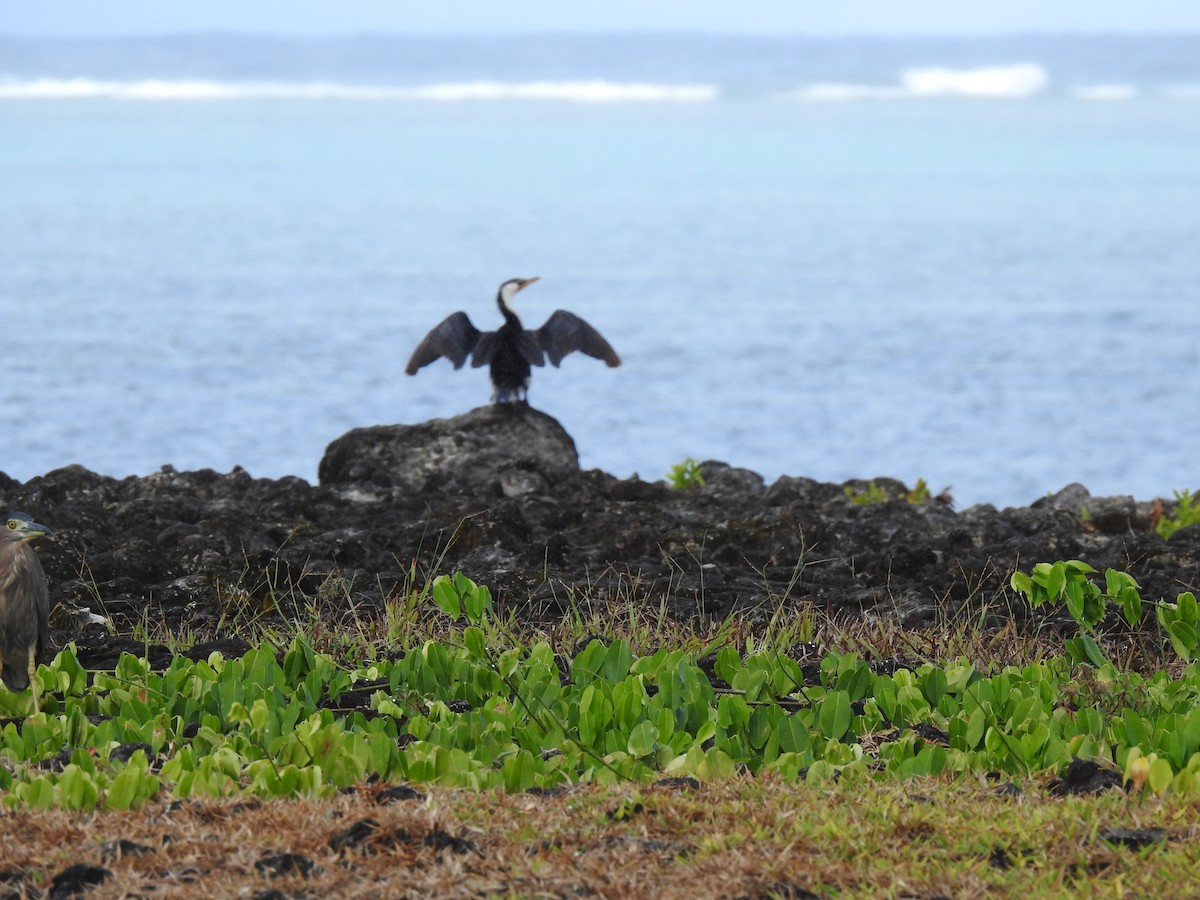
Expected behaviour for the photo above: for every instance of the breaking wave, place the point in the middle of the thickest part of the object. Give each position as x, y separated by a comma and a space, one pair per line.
1017, 81
596, 91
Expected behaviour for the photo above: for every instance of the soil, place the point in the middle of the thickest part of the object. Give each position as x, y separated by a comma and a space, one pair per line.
497, 493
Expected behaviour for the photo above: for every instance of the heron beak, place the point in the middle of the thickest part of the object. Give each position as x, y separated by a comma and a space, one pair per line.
526, 282
33, 530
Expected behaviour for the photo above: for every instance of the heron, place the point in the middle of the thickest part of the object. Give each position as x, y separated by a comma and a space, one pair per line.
24, 603
511, 350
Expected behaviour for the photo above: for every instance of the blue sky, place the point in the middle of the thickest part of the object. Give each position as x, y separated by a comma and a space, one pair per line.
315, 17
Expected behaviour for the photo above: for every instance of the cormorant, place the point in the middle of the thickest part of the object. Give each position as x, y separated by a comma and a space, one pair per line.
511, 350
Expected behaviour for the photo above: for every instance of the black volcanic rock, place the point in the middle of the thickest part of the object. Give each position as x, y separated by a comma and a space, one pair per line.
509, 448
497, 494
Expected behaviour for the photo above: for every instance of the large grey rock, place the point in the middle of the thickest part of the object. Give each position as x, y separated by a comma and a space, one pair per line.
492, 449
1071, 498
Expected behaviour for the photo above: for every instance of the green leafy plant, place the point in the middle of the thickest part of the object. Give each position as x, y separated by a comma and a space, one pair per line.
872, 496
457, 595
1186, 512
919, 492
1068, 582
686, 475
477, 710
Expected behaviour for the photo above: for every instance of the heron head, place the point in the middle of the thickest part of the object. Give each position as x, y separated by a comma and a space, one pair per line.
509, 289
19, 526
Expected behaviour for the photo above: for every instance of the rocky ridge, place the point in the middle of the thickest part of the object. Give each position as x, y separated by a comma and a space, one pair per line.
497, 493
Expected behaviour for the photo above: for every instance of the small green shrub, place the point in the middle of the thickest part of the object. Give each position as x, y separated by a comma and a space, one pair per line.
686, 475
1186, 512
919, 493
874, 495
1068, 582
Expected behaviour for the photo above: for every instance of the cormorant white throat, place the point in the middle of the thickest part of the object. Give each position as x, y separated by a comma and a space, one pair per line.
511, 350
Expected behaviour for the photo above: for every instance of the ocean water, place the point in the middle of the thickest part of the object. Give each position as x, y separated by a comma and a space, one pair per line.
972, 261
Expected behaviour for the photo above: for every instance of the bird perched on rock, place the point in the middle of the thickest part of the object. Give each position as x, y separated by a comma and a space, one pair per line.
511, 350
24, 603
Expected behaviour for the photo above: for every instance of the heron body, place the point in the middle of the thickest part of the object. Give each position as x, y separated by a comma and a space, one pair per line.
511, 351
24, 603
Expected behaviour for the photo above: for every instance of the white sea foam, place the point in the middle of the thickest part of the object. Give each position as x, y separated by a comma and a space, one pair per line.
574, 91
167, 90
1017, 81
834, 92
1105, 92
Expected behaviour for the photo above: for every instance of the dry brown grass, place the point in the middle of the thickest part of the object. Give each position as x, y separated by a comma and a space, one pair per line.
746, 838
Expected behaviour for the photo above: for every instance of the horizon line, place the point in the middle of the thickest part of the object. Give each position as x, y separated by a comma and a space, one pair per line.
1086, 32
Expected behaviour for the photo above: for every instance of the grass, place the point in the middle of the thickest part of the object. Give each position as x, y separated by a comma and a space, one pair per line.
739, 836
339, 623
745, 837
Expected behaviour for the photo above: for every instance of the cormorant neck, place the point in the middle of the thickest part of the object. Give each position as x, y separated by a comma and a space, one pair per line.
510, 317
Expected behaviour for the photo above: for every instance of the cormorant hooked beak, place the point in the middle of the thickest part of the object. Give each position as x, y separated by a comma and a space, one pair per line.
526, 282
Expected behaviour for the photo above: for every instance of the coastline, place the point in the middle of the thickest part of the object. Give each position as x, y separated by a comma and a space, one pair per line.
197, 552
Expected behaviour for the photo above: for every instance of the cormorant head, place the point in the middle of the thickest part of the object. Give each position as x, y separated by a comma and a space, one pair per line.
19, 526
509, 289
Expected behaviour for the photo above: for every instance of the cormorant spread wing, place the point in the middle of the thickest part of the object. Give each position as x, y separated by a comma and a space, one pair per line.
563, 333
455, 338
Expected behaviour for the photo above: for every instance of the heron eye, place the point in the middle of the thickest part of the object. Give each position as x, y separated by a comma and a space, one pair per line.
12, 523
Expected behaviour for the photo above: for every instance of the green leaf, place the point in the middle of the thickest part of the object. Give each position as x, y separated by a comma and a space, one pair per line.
1131, 605
629, 703
260, 716
885, 694
1084, 649
1186, 603
520, 771
930, 761
132, 786
77, 789
643, 740
595, 712
733, 713
751, 682
976, 726
1136, 733
588, 663
716, 766
834, 718
727, 664
1074, 601
1022, 583
1183, 638
934, 685
617, 661
474, 641
446, 597
1054, 579
37, 793
856, 681
793, 736
476, 598
1160, 776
